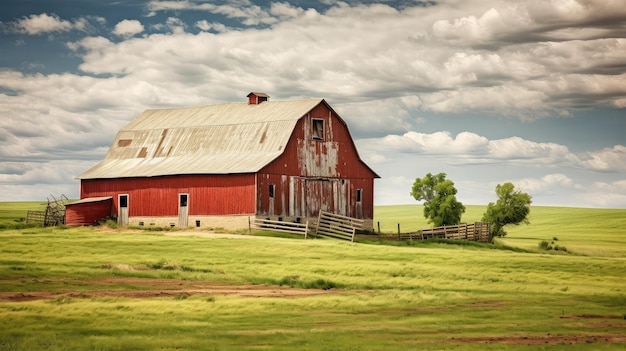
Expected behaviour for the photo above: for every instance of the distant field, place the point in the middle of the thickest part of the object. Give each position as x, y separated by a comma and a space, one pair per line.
12, 212
581, 230
117, 289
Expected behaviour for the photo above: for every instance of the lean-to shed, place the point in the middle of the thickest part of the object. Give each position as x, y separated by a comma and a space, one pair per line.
217, 165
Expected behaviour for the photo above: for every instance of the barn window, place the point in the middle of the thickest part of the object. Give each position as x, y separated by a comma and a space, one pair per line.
359, 195
318, 129
271, 190
183, 199
123, 201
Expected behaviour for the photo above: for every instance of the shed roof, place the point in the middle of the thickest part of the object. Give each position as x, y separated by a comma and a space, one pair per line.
90, 200
214, 139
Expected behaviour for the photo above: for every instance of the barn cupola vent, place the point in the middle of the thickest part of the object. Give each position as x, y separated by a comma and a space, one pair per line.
257, 98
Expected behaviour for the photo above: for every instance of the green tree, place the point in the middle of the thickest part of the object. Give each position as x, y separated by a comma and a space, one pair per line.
512, 207
438, 194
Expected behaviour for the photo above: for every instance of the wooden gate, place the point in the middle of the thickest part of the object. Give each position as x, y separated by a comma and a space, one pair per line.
337, 226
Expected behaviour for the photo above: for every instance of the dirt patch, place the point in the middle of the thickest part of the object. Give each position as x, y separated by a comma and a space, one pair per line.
150, 288
543, 339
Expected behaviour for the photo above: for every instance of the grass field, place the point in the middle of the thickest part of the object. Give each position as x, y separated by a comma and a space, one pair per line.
98, 289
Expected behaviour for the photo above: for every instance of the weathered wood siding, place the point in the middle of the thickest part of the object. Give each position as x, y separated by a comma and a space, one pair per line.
317, 174
158, 196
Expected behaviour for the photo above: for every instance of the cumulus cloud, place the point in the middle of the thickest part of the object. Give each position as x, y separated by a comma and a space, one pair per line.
51, 23
391, 53
215, 26
471, 148
244, 10
128, 28
42, 23
547, 183
607, 160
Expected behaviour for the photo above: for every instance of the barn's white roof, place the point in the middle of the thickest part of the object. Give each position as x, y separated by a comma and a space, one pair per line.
215, 139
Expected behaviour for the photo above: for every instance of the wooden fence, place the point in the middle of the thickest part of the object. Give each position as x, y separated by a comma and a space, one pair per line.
478, 231
337, 226
281, 226
35, 217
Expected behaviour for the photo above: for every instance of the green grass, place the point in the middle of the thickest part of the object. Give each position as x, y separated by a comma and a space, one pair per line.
431, 296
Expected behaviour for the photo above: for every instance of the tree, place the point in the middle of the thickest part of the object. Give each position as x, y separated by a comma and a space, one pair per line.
438, 194
512, 207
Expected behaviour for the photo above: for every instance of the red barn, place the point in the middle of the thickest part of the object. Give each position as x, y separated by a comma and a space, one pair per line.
217, 165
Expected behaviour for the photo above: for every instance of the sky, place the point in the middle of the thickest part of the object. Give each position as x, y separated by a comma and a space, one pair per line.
529, 92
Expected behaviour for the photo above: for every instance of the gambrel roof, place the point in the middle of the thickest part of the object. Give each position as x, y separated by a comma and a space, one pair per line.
216, 139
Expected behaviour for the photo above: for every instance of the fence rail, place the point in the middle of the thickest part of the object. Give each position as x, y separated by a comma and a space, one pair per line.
281, 226
337, 226
478, 231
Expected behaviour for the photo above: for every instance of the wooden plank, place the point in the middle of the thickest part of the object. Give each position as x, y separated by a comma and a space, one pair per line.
281, 226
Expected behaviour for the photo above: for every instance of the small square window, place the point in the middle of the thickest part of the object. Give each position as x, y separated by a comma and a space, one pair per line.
318, 129
359, 195
183, 198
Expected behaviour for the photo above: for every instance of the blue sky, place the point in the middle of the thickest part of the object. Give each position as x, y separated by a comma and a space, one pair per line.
528, 92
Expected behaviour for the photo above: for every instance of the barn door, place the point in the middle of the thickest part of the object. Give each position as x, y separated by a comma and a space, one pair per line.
122, 210
319, 196
183, 213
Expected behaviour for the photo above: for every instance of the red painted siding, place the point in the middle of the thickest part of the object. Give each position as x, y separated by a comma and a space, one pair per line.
87, 213
158, 196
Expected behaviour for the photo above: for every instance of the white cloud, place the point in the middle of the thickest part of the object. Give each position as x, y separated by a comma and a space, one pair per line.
607, 160
471, 148
305, 52
216, 26
51, 23
249, 13
548, 183
128, 28
42, 23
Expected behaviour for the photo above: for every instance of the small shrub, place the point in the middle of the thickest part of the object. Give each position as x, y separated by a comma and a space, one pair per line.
320, 284
555, 239
180, 297
544, 245
290, 281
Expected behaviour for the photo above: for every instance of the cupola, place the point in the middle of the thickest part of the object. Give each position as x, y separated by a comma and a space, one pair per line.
257, 98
